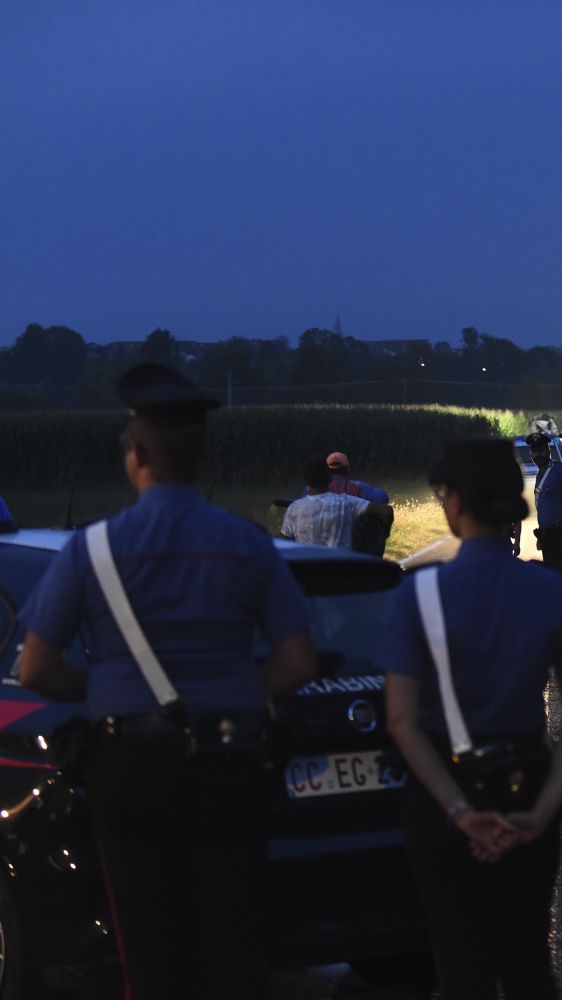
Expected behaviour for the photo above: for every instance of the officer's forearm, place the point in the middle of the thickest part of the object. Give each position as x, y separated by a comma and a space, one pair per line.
43, 669
292, 663
382, 510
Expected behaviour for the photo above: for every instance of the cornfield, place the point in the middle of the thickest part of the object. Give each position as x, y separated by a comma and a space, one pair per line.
248, 445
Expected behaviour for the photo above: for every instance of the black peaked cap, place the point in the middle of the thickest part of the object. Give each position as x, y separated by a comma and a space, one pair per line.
156, 387
537, 438
488, 464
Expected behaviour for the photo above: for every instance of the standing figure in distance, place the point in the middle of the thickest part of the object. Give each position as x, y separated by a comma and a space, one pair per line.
548, 500
182, 822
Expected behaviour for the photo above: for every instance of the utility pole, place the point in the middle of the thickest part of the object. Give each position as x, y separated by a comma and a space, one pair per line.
229, 388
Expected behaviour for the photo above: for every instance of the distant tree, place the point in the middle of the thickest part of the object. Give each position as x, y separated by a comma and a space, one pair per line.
54, 358
160, 346
236, 360
470, 338
499, 355
337, 327
320, 357
544, 364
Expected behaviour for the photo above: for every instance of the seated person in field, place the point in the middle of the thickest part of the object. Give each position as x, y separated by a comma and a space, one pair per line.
323, 517
7, 522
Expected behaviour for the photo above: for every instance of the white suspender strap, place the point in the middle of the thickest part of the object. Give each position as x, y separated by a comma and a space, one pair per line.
108, 578
431, 611
541, 484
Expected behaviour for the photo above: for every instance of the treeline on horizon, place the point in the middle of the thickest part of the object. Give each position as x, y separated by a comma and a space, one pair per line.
53, 368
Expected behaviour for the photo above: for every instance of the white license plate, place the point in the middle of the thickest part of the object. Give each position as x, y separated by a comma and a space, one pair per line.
336, 774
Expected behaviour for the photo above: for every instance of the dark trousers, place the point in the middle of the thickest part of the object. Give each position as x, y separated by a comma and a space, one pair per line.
487, 922
550, 540
183, 842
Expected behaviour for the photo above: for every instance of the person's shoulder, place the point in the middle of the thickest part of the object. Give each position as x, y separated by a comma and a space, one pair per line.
240, 528
369, 492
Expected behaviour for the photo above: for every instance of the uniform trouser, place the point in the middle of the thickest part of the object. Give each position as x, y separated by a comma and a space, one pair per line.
551, 546
183, 843
487, 922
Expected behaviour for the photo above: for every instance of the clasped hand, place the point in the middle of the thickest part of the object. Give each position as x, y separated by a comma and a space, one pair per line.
490, 834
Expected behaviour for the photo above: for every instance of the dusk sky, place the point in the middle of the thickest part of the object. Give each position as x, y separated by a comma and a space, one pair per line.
254, 168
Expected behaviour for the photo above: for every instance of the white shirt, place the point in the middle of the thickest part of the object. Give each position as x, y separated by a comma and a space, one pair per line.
324, 519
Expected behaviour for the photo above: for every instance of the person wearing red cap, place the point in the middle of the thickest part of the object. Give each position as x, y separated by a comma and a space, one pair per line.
341, 483
548, 500
322, 517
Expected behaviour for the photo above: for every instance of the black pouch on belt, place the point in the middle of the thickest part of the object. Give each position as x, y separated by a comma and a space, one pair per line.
72, 744
506, 775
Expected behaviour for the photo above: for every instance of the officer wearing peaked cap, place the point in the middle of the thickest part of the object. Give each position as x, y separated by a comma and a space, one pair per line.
155, 386
481, 816
548, 500
181, 821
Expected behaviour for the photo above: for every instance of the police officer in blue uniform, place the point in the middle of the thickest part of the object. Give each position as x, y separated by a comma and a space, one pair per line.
548, 500
182, 825
485, 867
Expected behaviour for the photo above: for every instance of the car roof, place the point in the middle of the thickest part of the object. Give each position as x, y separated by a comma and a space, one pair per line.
54, 539
302, 551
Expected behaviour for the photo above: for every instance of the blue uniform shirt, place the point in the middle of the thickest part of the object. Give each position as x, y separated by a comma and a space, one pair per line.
199, 580
503, 633
364, 491
548, 497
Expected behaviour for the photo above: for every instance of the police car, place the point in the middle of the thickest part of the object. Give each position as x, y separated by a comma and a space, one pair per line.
523, 453
339, 887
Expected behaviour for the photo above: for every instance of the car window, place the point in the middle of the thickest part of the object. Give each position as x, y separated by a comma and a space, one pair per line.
350, 604
523, 453
352, 624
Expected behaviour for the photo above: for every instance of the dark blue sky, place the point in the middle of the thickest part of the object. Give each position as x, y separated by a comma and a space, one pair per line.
257, 167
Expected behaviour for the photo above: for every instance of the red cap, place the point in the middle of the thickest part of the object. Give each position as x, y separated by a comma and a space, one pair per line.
336, 459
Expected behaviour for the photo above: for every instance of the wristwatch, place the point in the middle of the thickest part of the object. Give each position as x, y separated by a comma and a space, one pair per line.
458, 809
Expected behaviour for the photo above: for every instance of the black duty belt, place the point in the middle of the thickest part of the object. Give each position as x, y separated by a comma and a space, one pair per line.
551, 529
494, 743
204, 732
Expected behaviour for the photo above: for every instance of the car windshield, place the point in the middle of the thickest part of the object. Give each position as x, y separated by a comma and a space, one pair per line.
351, 624
524, 453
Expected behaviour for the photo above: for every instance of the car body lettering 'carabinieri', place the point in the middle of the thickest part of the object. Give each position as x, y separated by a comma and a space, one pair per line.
343, 685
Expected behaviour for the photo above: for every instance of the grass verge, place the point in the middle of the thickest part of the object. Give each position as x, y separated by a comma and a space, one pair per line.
418, 518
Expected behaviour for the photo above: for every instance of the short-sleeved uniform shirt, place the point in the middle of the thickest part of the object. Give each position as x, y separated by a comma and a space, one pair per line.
323, 519
199, 580
548, 495
340, 484
501, 636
